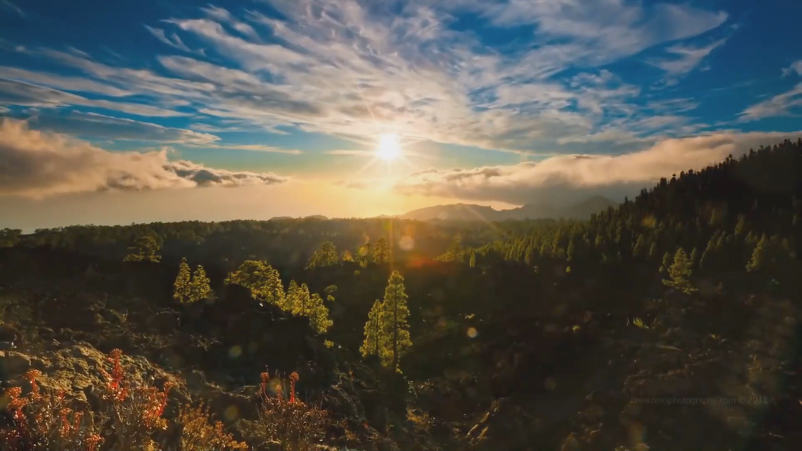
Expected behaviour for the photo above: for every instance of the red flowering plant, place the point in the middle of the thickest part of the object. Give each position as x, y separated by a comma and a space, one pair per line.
44, 421
288, 424
132, 412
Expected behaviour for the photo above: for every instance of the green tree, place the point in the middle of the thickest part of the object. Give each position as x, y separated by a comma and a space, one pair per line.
472, 261
318, 314
381, 252
145, 249
291, 297
365, 255
9, 237
302, 301
347, 257
761, 256
571, 251
181, 286
395, 339
680, 273
325, 256
263, 281
652, 251
694, 257
373, 329
330, 290
199, 287
667, 259
454, 252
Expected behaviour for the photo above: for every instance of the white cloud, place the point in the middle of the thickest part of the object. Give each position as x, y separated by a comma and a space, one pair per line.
36, 164
572, 178
606, 29
20, 93
352, 153
779, 105
686, 58
172, 40
253, 147
795, 68
357, 68
102, 126
78, 84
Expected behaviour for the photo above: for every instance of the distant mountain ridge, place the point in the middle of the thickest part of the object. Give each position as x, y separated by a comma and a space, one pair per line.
472, 212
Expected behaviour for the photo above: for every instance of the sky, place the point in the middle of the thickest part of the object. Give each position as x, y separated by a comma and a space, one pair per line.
161, 110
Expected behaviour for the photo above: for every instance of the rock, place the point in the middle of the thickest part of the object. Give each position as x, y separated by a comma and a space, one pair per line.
13, 363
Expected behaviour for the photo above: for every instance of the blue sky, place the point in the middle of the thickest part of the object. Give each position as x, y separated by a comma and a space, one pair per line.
493, 101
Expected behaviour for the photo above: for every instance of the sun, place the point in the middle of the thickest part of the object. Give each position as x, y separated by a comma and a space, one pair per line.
389, 149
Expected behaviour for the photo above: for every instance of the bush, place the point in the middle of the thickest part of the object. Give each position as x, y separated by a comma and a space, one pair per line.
128, 418
289, 424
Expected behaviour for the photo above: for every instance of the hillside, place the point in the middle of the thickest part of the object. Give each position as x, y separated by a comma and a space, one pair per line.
669, 322
472, 212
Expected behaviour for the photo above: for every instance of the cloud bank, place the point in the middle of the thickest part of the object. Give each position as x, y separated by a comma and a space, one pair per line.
36, 164
573, 178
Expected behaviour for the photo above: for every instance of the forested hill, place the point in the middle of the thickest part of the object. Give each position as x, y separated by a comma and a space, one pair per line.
739, 213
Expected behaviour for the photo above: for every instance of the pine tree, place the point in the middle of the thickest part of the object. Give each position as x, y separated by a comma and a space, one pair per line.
145, 249
454, 252
571, 252
291, 298
652, 251
330, 290
302, 301
381, 252
324, 257
347, 257
667, 259
373, 329
694, 257
680, 273
472, 261
365, 255
262, 279
395, 339
199, 287
181, 286
318, 314
761, 256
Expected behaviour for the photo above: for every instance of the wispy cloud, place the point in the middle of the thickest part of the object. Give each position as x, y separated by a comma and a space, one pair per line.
36, 164
172, 40
685, 58
27, 94
779, 105
101, 126
9, 5
76, 84
358, 68
354, 153
253, 148
795, 68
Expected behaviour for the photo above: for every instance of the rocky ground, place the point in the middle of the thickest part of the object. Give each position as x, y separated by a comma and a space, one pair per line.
668, 372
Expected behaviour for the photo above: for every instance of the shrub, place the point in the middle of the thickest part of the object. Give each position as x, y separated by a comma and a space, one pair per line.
289, 424
198, 435
128, 418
